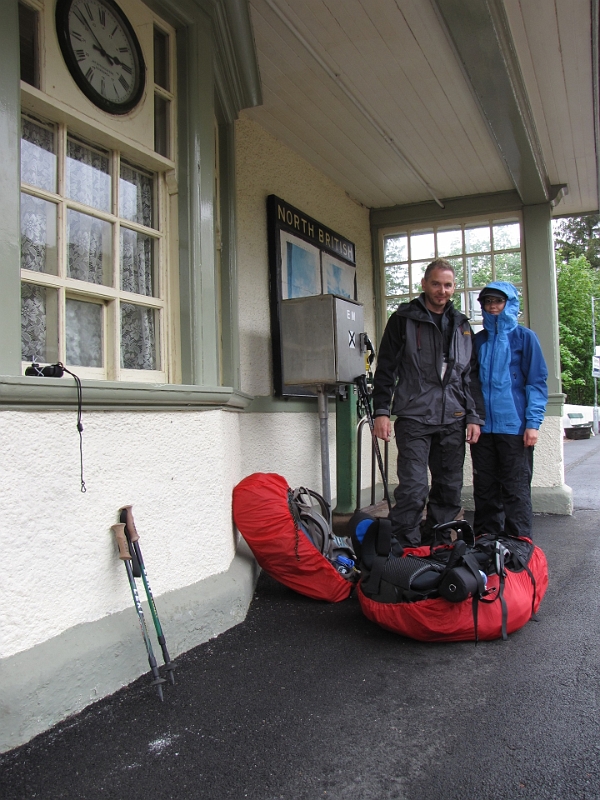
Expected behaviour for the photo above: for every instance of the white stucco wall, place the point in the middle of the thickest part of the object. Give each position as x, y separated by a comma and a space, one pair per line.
264, 166
60, 565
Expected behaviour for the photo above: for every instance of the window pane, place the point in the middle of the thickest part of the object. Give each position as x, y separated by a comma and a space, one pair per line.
449, 242
393, 303
477, 238
88, 176
161, 58
89, 248
84, 333
38, 235
457, 263
28, 37
417, 271
474, 308
38, 160
396, 279
422, 245
395, 248
479, 270
139, 337
39, 324
137, 263
161, 125
136, 195
507, 235
508, 267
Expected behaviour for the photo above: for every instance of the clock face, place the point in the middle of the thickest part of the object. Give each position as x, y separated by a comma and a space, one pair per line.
102, 53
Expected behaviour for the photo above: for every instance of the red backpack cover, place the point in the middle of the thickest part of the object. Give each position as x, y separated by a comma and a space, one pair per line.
437, 620
262, 515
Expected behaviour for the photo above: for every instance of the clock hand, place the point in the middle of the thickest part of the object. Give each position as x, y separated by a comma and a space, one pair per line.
84, 21
110, 59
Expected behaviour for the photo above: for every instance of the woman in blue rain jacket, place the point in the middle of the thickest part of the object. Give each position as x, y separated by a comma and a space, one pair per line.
513, 375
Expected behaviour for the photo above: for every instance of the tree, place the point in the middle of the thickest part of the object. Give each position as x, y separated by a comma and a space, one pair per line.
577, 282
578, 236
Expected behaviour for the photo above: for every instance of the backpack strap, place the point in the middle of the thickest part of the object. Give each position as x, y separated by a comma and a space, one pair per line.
383, 545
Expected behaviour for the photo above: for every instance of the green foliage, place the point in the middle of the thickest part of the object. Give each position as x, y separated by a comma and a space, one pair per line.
578, 236
577, 283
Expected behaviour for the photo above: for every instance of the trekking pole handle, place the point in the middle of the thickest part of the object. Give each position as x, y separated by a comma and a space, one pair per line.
119, 531
131, 529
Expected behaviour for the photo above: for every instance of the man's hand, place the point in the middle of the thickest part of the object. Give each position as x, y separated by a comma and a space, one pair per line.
383, 428
530, 437
473, 432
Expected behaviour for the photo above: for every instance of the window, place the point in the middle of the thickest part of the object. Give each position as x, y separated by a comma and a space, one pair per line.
92, 257
29, 44
481, 250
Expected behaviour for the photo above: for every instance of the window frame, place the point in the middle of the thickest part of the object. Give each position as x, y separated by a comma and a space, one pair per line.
111, 295
216, 62
445, 221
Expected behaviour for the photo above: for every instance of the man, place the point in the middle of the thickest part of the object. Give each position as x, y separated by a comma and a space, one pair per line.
513, 379
427, 374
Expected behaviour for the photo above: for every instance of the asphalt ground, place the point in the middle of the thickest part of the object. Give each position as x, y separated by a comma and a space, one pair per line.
306, 700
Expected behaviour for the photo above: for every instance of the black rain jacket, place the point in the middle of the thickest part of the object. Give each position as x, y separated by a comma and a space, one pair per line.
410, 365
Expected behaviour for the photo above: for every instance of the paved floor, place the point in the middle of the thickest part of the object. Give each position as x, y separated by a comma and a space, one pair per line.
306, 700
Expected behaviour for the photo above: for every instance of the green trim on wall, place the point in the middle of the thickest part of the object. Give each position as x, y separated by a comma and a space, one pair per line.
265, 404
541, 287
10, 179
22, 393
556, 404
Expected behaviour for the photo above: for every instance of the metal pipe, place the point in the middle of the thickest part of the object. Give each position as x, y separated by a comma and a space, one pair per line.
324, 430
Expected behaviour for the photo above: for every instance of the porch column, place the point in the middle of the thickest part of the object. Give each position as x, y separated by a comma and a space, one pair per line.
549, 492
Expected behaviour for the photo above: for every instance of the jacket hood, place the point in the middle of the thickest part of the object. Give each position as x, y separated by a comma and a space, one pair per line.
508, 317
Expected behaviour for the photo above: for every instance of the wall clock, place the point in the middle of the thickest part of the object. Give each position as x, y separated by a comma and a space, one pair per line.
102, 53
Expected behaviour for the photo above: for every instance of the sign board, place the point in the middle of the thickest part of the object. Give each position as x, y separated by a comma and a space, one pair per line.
595, 366
307, 259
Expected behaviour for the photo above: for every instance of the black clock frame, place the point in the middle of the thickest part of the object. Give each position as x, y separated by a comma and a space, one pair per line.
62, 30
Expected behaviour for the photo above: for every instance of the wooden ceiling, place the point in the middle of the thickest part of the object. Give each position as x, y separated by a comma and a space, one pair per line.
382, 98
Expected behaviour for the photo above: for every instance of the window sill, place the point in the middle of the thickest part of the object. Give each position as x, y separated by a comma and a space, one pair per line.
29, 393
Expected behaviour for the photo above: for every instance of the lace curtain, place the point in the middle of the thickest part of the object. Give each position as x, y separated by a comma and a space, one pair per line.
89, 252
138, 324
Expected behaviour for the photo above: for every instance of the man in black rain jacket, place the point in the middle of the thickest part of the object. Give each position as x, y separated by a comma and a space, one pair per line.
427, 375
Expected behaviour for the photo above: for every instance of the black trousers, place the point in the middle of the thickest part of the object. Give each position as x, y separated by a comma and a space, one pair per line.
502, 470
442, 449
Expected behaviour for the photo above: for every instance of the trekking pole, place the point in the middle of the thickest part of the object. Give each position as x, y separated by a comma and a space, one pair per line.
133, 539
364, 404
124, 555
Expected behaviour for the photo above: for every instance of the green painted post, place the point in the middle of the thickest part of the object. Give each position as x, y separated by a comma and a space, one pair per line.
345, 433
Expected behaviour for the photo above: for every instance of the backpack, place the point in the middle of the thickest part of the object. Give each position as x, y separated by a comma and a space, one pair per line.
289, 533
480, 588
312, 515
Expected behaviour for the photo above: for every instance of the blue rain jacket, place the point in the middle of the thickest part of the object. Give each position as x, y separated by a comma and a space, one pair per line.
512, 369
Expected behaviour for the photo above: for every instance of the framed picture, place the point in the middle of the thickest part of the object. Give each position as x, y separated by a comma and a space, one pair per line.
300, 267
305, 258
338, 277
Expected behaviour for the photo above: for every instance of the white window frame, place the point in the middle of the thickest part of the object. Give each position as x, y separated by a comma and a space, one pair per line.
465, 296
38, 105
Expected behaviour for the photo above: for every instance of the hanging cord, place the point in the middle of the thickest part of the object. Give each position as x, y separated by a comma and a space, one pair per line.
56, 371
79, 422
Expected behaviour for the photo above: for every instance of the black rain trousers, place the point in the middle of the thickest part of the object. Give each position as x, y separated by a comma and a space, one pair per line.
502, 471
442, 448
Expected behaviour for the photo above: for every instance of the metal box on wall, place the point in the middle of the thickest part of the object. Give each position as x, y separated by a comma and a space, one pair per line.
321, 340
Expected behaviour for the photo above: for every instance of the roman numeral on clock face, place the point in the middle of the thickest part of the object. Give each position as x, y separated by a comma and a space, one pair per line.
123, 83
80, 54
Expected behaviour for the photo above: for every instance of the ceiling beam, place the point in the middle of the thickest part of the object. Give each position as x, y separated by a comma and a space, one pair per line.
481, 37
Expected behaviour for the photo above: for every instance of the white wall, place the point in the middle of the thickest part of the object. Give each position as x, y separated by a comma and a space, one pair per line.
265, 166
60, 565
